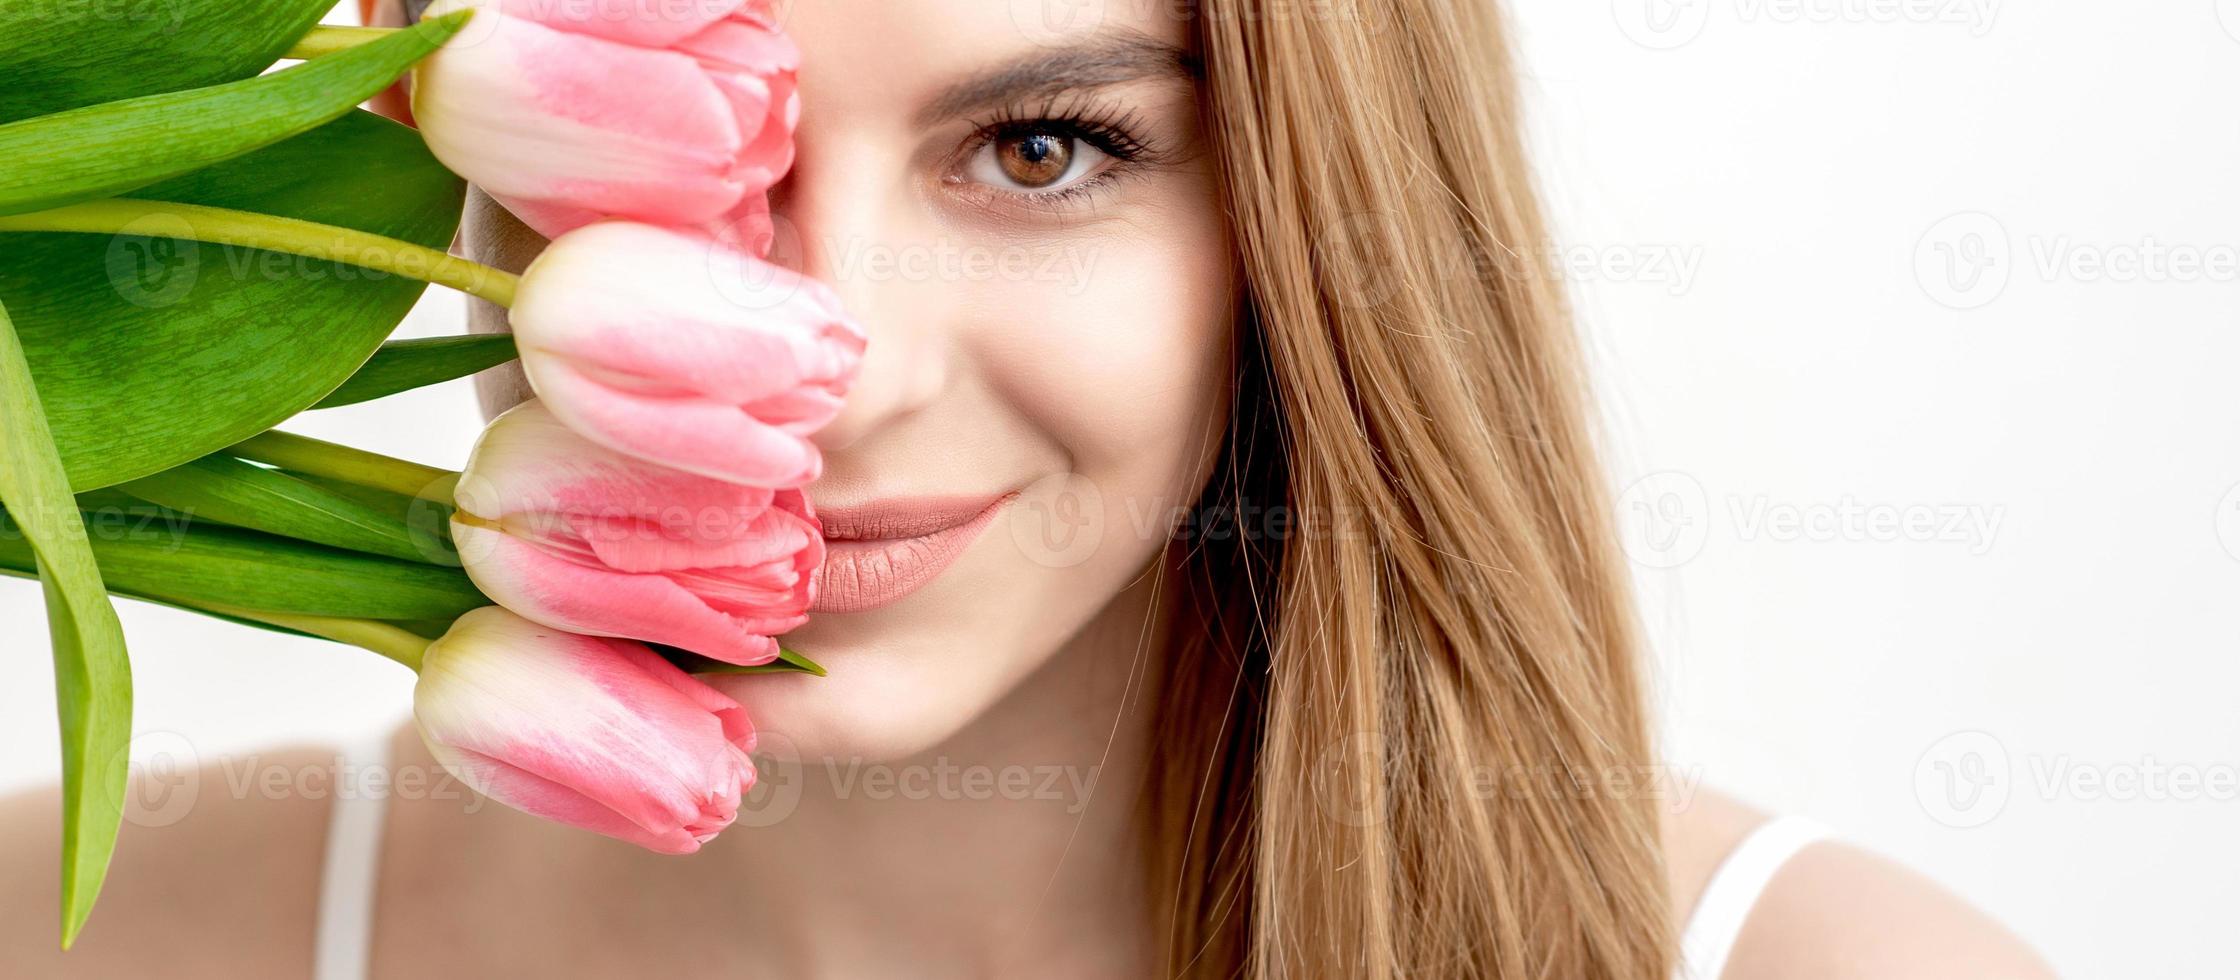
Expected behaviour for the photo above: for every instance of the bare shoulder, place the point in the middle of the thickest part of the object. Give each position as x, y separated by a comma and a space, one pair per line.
1838, 912
215, 874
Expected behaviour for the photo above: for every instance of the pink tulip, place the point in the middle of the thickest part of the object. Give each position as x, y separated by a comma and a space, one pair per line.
660, 344
676, 113
599, 734
581, 538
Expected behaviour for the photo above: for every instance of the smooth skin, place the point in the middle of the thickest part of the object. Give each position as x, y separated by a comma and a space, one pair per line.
1097, 358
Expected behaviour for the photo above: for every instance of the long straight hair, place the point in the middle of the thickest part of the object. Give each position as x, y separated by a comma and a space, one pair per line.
1382, 758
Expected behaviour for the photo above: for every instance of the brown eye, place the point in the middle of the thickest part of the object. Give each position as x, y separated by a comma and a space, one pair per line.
1037, 157
1034, 160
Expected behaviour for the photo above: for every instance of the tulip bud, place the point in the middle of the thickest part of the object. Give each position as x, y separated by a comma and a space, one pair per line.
671, 113
581, 538
626, 335
595, 733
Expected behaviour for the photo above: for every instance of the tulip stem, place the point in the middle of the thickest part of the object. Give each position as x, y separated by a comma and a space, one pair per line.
316, 457
393, 642
118, 216
324, 40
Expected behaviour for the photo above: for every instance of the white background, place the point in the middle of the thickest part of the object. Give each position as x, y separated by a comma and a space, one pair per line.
1935, 517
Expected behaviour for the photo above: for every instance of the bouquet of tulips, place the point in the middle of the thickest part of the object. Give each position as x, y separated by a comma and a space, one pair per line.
194, 248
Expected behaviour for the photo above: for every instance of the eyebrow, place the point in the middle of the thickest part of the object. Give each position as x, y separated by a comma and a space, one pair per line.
1123, 57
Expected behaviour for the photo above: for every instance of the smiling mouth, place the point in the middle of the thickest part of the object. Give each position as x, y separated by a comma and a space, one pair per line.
879, 552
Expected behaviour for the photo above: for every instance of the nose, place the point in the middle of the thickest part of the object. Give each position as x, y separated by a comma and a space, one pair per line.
840, 227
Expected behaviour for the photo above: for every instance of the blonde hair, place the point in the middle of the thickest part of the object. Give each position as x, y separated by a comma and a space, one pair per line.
1439, 605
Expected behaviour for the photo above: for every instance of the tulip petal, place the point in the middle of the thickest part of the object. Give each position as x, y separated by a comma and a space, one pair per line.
540, 797
548, 118
528, 462
747, 229
642, 306
601, 717
754, 67
548, 218
647, 24
571, 595
704, 538
697, 435
740, 45
769, 152
579, 537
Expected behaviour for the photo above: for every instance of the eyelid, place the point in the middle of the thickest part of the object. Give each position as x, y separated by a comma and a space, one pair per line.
1112, 125
1124, 155
1107, 124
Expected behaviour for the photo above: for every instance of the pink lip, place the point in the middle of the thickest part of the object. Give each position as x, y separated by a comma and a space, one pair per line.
876, 553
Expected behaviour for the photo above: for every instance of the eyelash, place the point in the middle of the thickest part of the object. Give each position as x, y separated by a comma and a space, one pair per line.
1112, 131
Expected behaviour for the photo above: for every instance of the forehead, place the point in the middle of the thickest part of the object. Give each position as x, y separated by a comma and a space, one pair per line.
907, 51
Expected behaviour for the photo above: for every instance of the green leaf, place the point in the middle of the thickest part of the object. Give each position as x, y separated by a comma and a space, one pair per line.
57, 56
429, 628
427, 522
216, 343
106, 149
92, 676
402, 365
200, 564
229, 491
788, 662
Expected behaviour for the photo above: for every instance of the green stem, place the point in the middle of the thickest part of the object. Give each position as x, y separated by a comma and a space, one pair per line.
316, 457
324, 40
389, 641
278, 234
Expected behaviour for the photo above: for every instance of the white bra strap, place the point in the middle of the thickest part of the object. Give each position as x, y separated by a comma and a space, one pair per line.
1734, 889
343, 947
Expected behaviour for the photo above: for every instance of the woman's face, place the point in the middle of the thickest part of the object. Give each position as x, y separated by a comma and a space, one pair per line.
1015, 199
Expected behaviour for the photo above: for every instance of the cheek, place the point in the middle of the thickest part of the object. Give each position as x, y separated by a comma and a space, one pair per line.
1124, 360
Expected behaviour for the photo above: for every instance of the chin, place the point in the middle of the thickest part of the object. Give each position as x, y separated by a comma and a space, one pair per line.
876, 704
901, 679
